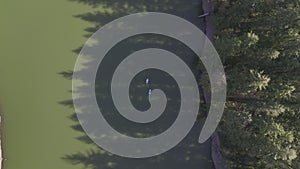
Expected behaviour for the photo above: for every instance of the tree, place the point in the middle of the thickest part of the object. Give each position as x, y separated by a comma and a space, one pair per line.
259, 43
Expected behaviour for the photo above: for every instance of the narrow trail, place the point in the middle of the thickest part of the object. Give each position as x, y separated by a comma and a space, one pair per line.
207, 7
217, 157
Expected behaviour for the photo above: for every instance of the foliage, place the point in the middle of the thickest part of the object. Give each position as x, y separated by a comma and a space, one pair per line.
259, 43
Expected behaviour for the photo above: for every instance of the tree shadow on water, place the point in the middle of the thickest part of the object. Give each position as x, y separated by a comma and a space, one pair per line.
189, 153
113, 9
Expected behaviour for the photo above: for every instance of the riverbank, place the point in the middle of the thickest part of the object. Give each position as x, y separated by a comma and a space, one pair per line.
217, 157
1, 138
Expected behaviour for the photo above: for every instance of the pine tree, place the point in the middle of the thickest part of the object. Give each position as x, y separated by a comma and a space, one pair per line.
259, 43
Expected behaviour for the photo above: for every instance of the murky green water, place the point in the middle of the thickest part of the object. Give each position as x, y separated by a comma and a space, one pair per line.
37, 40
